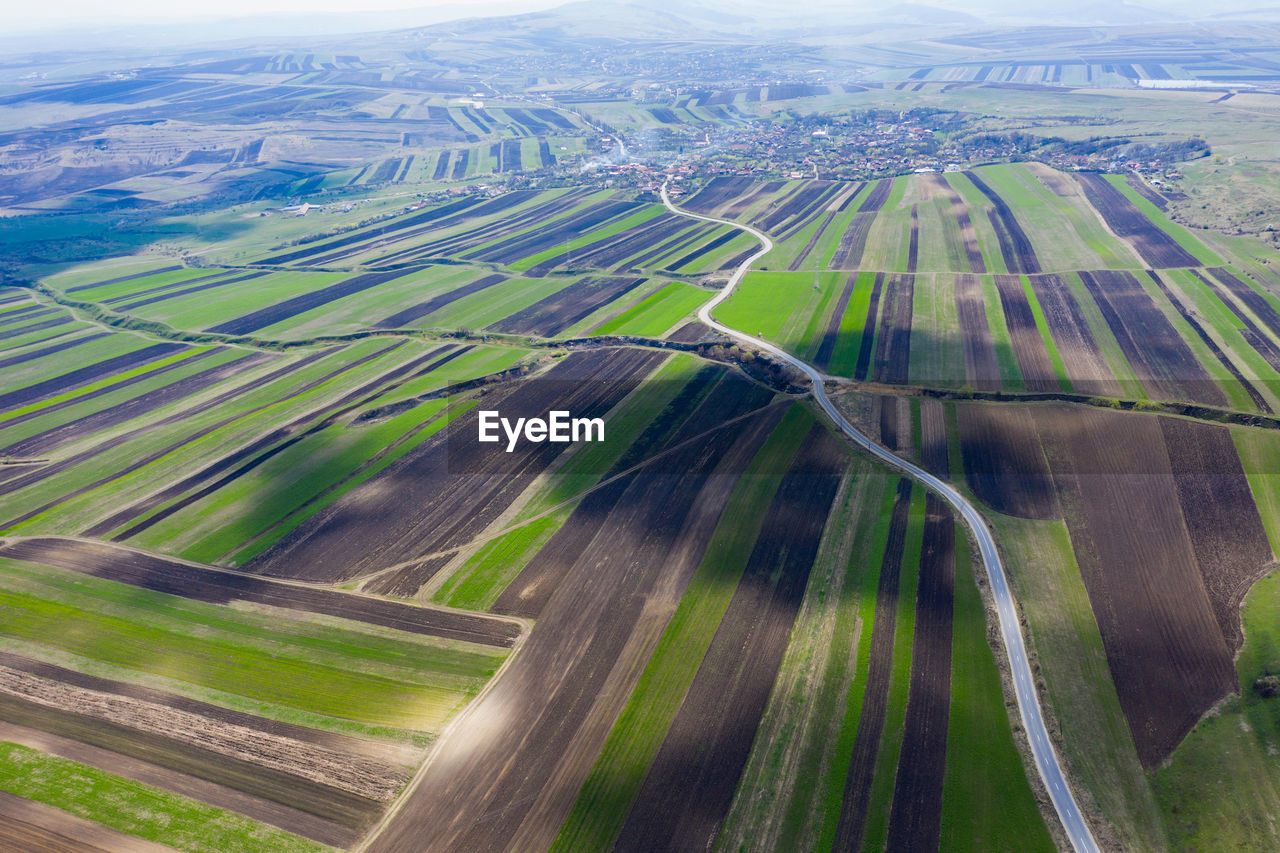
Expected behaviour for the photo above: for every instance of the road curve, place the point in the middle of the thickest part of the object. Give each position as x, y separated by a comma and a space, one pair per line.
1042, 750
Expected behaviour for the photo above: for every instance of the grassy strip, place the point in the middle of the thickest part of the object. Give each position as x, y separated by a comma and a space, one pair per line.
101, 292
977, 203
453, 409
235, 702
1048, 218
479, 582
287, 634
628, 420
657, 312
826, 249
321, 467
937, 354
774, 305
793, 786
1237, 397
1102, 335
832, 285
828, 798
496, 303
110, 380
200, 310
849, 336
137, 809
877, 828
52, 420
480, 361
610, 789
987, 803
223, 660
247, 506
591, 236
1042, 325
283, 402
1010, 373
23, 374
1209, 306
1260, 457
607, 310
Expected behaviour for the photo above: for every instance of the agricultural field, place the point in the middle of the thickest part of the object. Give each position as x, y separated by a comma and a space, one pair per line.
933, 280
146, 482
1068, 489
265, 584
369, 451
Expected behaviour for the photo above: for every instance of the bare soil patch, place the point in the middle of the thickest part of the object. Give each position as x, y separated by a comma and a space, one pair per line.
1004, 464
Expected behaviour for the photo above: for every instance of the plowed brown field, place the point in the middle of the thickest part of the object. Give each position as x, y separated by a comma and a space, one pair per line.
1003, 461
1086, 368
1226, 531
1159, 356
1168, 658
981, 368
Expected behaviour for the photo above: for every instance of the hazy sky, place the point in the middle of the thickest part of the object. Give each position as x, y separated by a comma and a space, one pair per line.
64, 12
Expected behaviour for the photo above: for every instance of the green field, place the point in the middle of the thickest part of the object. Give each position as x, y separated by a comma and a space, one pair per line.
139, 810
657, 313
402, 682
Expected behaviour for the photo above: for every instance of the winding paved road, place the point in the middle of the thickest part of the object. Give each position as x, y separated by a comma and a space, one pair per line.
1024, 685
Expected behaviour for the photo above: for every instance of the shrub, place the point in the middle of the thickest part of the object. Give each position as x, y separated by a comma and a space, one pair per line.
1267, 686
